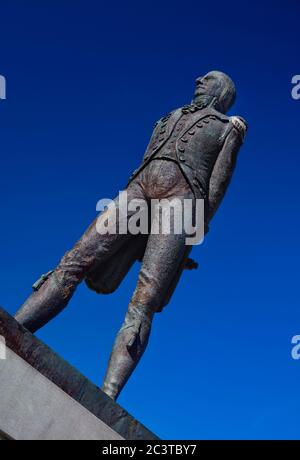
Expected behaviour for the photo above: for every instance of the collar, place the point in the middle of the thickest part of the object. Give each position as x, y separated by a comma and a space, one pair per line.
204, 103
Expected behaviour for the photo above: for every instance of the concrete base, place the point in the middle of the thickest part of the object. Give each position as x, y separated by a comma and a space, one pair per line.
44, 398
34, 408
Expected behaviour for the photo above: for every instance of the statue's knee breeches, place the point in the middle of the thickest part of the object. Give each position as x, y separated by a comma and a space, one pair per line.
151, 290
147, 296
92, 250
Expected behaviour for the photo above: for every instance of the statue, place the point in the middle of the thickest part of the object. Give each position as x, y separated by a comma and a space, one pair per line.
191, 155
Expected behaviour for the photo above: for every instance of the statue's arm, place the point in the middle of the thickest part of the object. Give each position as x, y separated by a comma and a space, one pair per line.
225, 165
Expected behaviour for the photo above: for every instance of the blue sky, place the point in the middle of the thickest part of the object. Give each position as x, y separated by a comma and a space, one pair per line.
86, 80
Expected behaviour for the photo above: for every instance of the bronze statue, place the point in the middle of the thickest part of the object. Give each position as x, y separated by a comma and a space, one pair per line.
191, 154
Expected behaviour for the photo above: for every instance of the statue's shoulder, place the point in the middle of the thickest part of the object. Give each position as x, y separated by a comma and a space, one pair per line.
167, 117
240, 124
235, 122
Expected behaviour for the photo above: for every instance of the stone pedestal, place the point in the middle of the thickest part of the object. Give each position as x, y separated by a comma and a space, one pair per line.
43, 397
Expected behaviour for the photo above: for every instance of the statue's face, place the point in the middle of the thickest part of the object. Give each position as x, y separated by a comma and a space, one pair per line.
218, 85
207, 85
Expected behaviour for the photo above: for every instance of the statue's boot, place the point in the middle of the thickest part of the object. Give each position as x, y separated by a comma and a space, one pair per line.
128, 349
53, 291
49, 298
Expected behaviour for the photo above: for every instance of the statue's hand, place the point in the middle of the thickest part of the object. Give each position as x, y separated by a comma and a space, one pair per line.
190, 264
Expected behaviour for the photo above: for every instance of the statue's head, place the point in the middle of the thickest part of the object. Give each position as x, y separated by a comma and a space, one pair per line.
215, 87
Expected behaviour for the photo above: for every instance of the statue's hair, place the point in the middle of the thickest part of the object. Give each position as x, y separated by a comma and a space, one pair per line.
228, 93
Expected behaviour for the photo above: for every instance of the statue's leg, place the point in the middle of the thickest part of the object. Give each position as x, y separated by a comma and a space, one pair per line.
162, 260
53, 292
46, 301
129, 347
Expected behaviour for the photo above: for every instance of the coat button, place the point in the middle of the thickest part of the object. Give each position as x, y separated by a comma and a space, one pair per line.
184, 139
181, 149
199, 125
192, 132
195, 182
182, 158
206, 121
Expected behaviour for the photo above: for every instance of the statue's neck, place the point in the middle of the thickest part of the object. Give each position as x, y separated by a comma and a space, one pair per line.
204, 101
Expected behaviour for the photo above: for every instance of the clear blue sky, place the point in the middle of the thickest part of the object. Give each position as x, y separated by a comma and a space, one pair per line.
86, 80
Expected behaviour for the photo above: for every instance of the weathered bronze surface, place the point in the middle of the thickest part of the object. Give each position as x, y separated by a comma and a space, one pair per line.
191, 154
